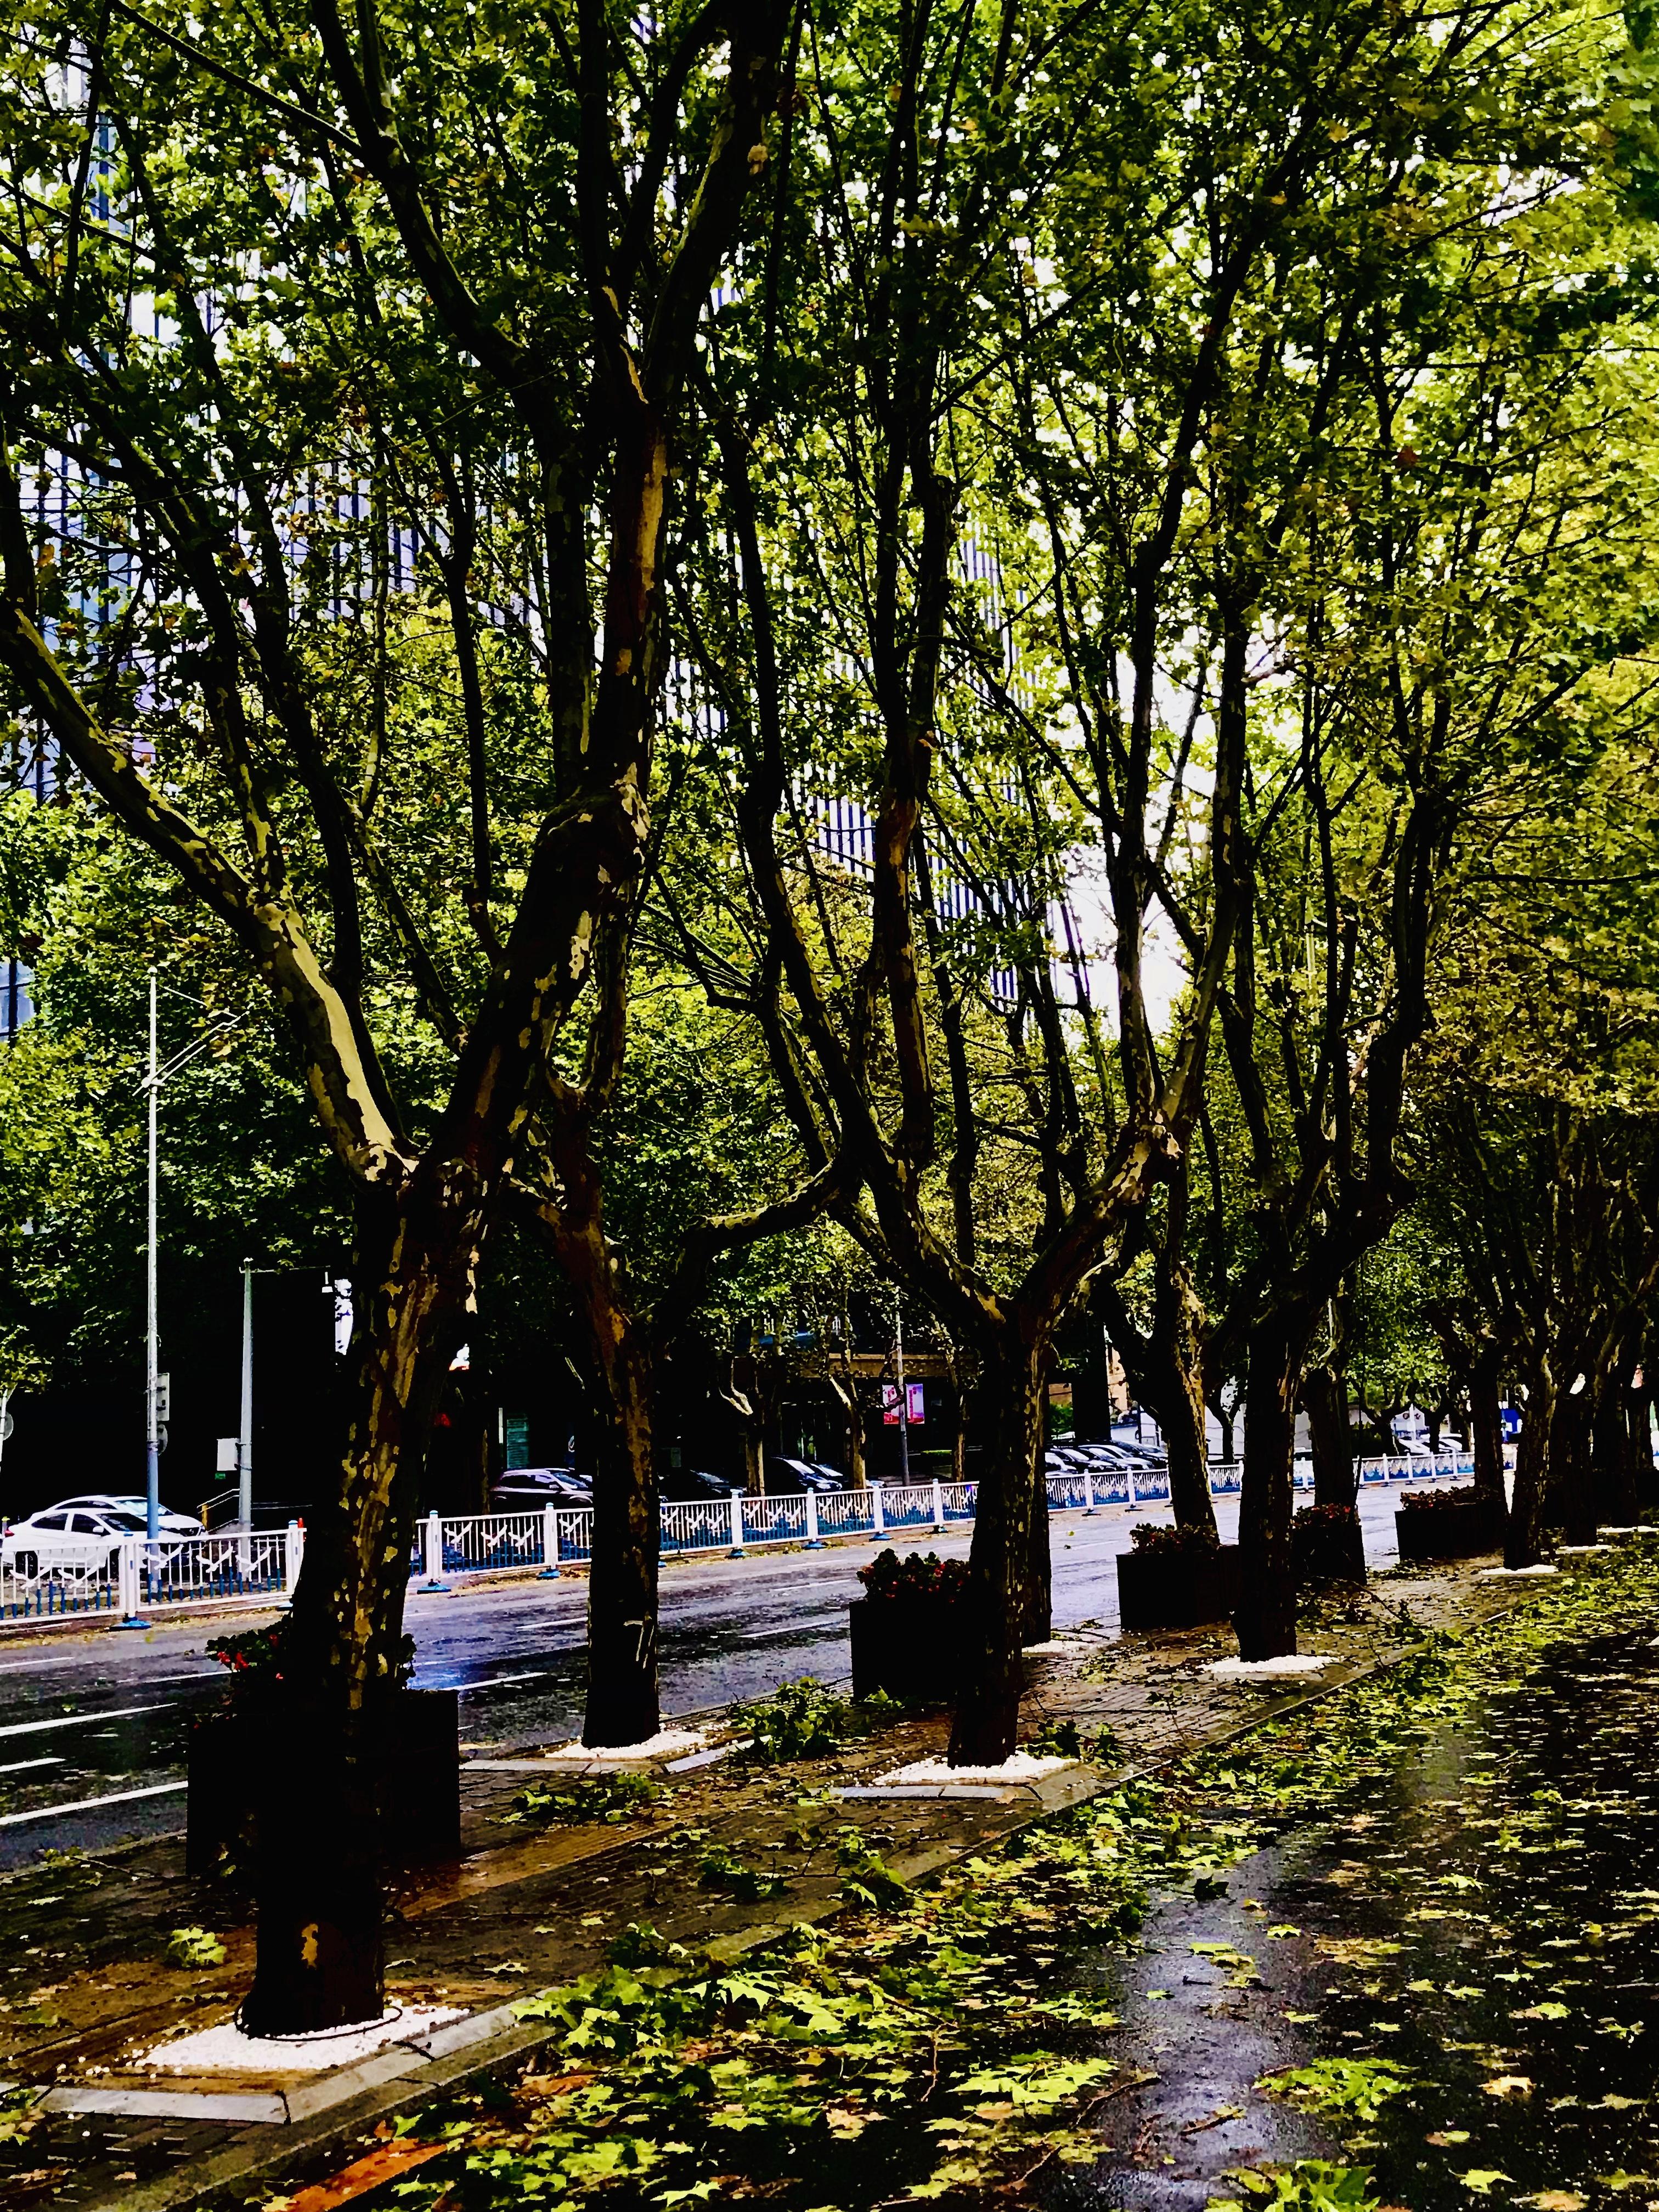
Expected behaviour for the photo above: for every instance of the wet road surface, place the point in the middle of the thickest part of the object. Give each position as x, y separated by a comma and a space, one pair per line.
96, 1724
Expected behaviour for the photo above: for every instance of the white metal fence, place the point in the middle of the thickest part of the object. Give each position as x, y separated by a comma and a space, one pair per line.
135, 1576
562, 1535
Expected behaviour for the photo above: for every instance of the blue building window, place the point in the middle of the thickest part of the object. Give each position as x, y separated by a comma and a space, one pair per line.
16, 1007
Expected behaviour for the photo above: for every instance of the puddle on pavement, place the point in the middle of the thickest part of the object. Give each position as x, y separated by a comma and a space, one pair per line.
1486, 1919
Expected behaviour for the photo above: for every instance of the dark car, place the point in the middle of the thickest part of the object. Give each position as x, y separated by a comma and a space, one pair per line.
521, 1489
807, 1474
681, 1484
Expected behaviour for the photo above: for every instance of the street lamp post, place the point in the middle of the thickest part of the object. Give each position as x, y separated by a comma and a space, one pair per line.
245, 1430
903, 1395
152, 1335
156, 1407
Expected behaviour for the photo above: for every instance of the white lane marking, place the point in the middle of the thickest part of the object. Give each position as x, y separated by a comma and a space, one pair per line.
91, 1804
495, 1681
85, 1720
106, 1682
22, 1765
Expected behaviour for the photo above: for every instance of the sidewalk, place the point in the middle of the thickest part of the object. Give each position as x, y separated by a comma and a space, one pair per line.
89, 1990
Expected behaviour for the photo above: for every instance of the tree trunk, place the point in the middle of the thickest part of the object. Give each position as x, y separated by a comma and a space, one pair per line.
320, 1961
1644, 1478
622, 1705
1178, 1358
1039, 1621
845, 1390
1229, 1443
1266, 1619
1613, 1474
1009, 1406
1524, 1544
1572, 1493
1325, 1394
1486, 1431
1166, 1369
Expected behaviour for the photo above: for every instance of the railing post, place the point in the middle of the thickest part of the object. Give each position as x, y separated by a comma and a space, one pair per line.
736, 1552
1088, 1492
879, 1525
939, 1508
1134, 1503
293, 1554
434, 1554
814, 1541
127, 1577
549, 1545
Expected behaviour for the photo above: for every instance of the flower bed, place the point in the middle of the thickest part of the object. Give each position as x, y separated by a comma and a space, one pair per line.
906, 1629
1175, 1579
1328, 1545
237, 1756
1448, 1524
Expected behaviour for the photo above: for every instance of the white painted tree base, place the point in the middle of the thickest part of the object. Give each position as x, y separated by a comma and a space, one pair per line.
228, 2049
667, 1743
1022, 1767
1581, 1550
1514, 1574
1285, 1667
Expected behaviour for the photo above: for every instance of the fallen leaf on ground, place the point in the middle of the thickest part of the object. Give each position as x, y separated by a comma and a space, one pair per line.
1508, 2085
364, 2174
1481, 2177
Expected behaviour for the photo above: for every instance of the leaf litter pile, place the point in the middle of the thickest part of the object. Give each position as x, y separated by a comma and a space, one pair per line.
1461, 1945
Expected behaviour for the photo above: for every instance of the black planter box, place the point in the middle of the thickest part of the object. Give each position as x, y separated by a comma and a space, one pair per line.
1328, 1551
1176, 1589
908, 1648
417, 1763
1449, 1532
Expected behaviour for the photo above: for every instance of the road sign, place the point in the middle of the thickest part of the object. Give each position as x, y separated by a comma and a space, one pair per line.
227, 1460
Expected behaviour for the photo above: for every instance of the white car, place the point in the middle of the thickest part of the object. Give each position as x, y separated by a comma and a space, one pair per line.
81, 1536
169, 1523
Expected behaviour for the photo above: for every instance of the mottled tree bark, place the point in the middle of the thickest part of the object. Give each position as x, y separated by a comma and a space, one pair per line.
1266, 1619
1009, 1419
1570, 1495
1612, 1470
1523, 1545
1325, 1394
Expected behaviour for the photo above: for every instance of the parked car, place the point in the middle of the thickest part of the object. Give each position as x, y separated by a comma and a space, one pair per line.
522, 1489
810, 1474
83, 1536
104, 1501
686, 1485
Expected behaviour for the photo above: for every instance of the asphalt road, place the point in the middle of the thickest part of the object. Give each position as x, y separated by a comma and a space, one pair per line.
92, 1727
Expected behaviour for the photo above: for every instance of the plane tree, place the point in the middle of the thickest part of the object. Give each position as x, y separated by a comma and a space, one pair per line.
253, 281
